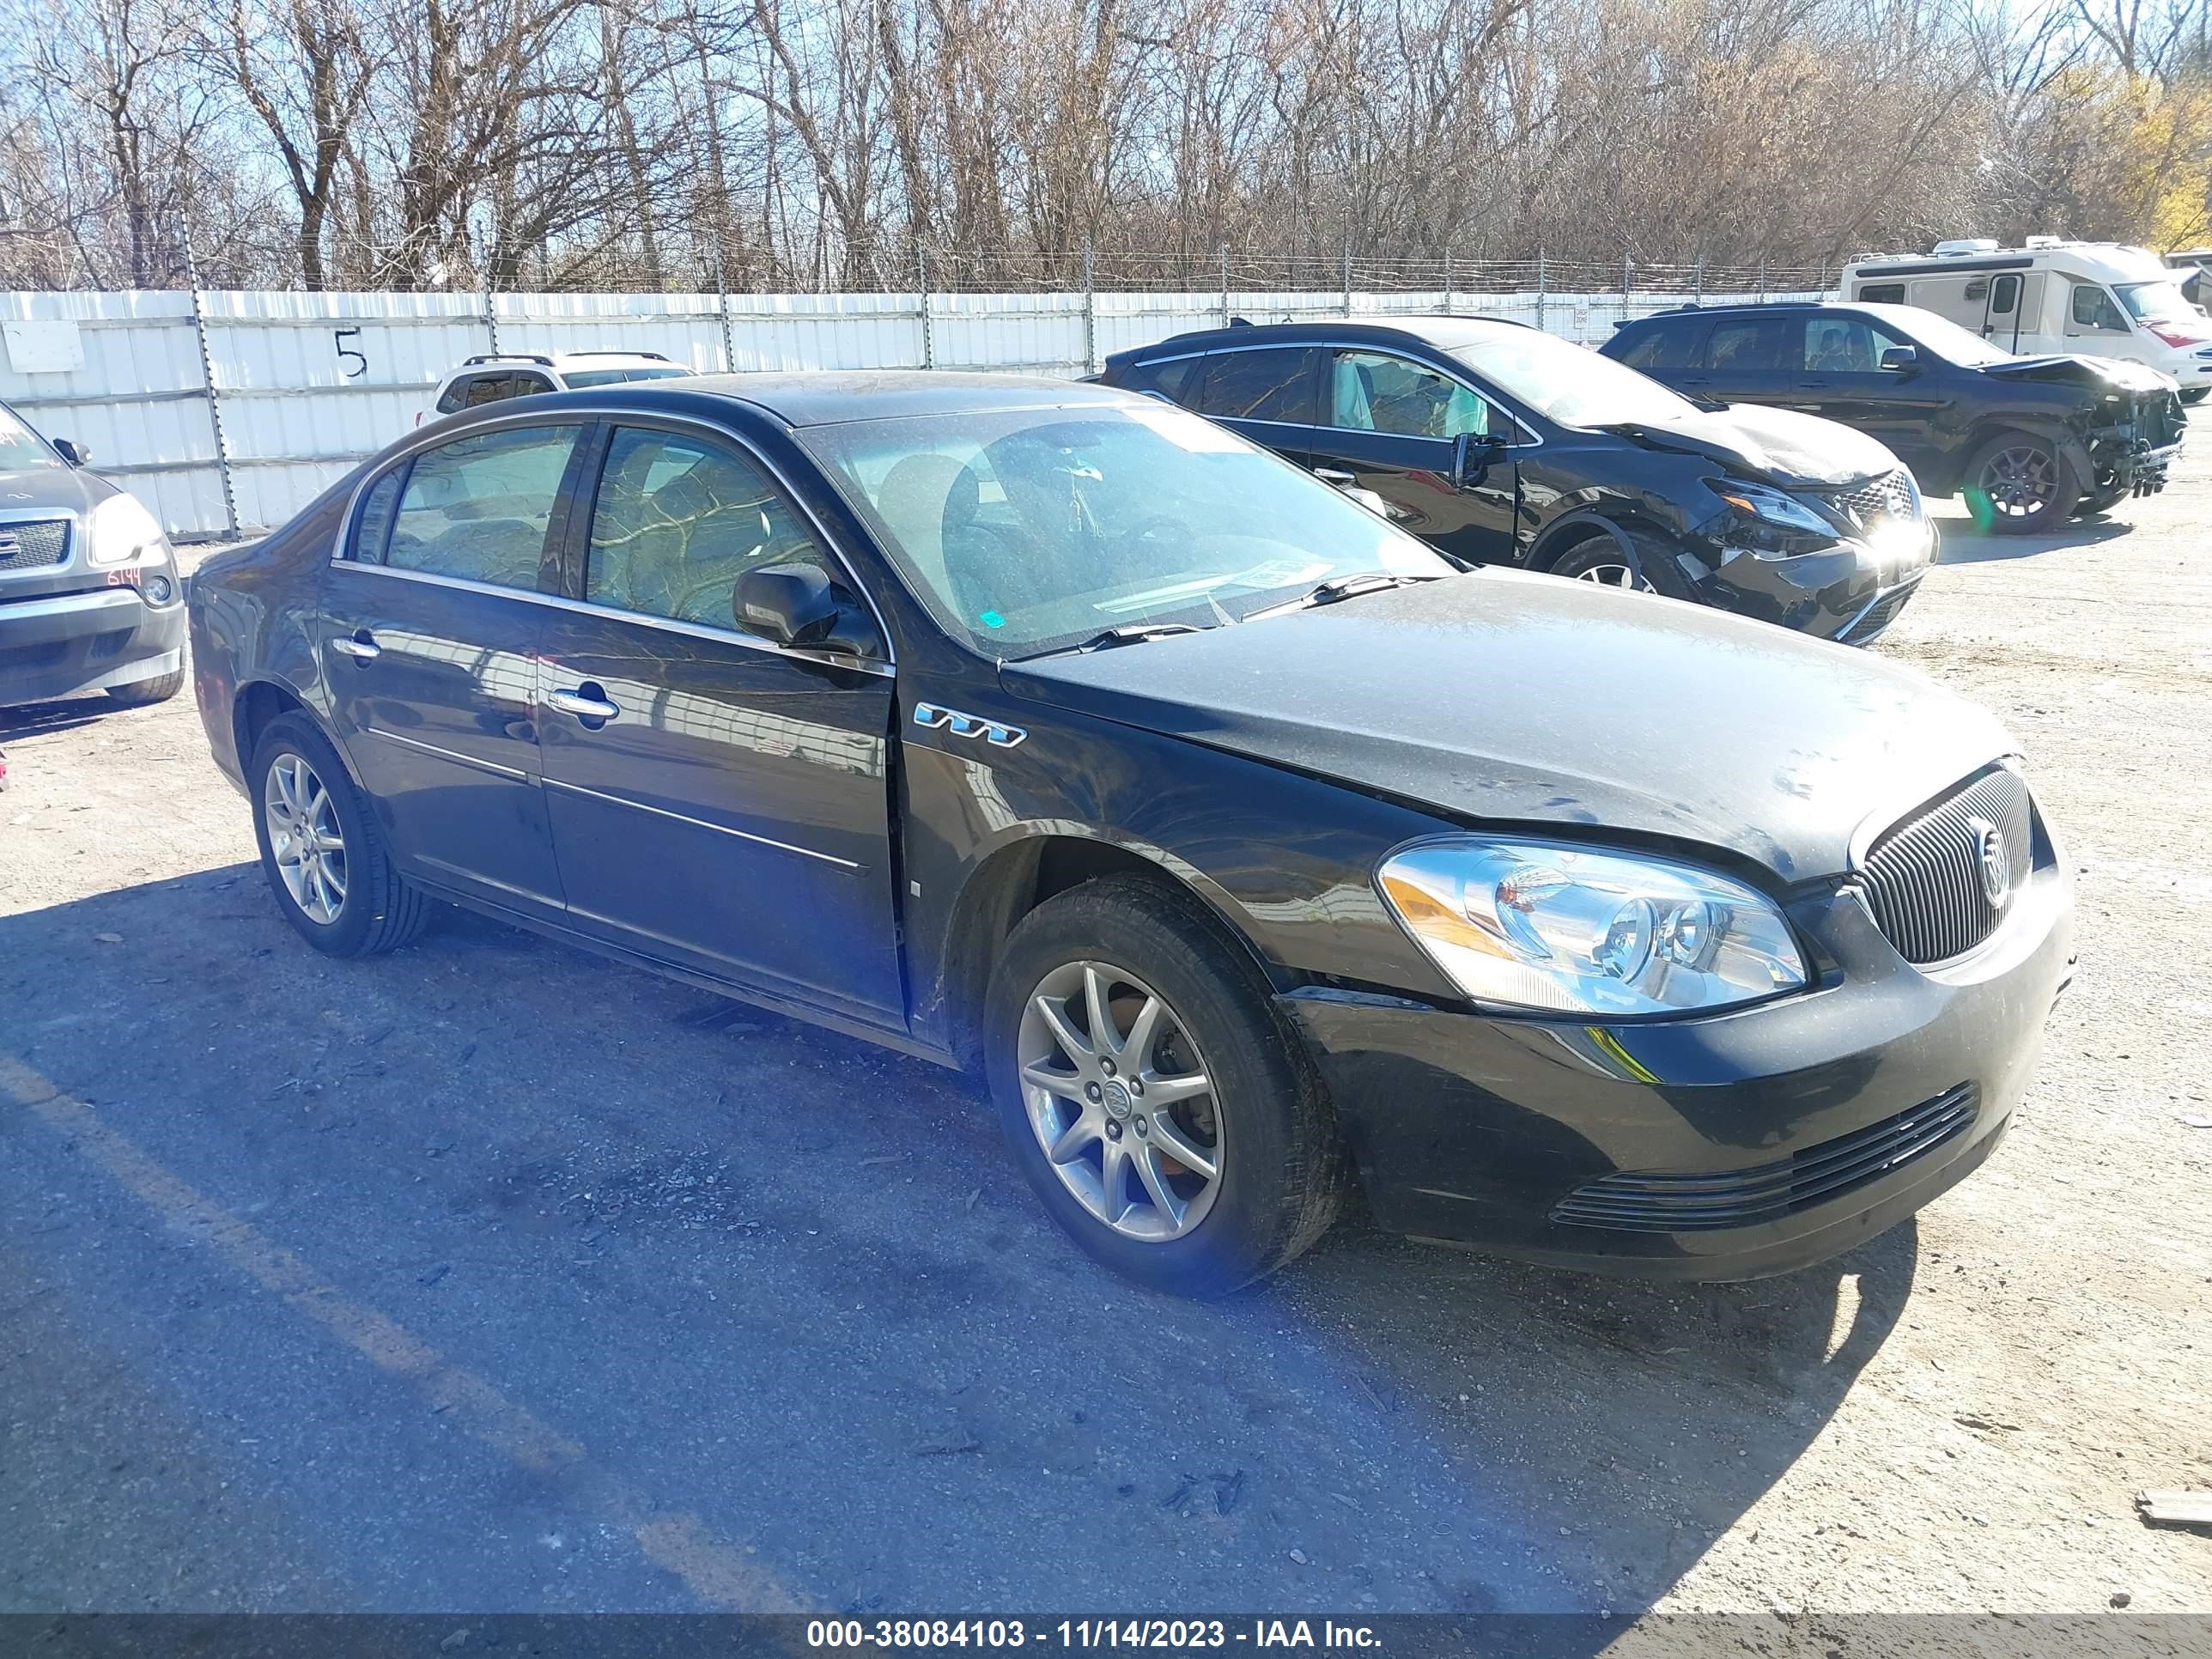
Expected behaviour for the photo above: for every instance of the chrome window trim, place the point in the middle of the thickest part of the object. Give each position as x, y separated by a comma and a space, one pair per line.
587, 415
667, 624
701, 824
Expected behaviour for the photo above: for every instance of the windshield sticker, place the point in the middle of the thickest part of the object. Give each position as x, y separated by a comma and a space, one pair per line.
991, 619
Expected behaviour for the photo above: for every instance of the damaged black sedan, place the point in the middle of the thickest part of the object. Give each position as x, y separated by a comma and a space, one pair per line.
1250, 852
1500, 444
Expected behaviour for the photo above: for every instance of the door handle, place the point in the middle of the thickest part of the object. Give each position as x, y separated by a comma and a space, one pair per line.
360, 645
588, 703
1337, 476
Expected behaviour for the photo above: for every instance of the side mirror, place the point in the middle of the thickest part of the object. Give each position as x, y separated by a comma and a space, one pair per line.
797, 605
1900, 360
1472, 454
76, 454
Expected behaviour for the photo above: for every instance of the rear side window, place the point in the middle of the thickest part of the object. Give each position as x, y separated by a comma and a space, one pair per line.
1756, 342
1273, 385
478, 508
679, 521
1174, 378
1880, 294
1665, 345
450, 398
488, 389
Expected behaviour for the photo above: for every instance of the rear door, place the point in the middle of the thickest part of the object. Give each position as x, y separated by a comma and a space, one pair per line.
1265, 393
430, 620
717, 801
1387, 424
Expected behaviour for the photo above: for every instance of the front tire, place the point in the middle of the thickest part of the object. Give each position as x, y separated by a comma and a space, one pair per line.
1645, 565
321, 849
2017, 484
160, 689
1162, 1112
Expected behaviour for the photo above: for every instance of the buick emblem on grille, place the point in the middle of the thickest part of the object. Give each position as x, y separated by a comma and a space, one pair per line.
1996, 861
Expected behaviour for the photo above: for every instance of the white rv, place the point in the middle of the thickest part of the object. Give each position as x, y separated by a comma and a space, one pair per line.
2087, 299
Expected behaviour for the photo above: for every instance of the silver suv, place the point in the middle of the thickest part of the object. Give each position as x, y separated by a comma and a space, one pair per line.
496, 376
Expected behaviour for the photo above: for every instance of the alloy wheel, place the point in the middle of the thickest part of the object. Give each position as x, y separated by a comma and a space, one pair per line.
1120, 1100
1616, 575
304, 838
2020, 481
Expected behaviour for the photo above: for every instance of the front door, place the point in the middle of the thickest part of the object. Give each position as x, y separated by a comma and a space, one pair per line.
429, 624
717, 801
1844, 381
1389, 423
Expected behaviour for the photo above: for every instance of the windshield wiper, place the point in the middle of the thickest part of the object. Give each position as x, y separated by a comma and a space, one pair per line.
1339, 587
1107, 638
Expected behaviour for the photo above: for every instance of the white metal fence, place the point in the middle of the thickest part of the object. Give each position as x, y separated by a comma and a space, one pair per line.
225, 412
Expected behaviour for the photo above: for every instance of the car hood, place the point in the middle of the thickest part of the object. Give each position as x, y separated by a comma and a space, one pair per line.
2099, 374
1798, 451
1512, 699
32, 490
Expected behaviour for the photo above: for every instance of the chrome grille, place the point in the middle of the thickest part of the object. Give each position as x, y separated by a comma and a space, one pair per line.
1889, 497
1923, 879
1669, 1203
28, 546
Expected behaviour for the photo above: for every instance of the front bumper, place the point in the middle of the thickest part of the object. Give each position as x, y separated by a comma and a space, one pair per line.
1816, 1115
66, 644
1849, 593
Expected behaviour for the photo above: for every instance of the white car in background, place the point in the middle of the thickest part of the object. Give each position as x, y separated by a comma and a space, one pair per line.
496, 376
2052, 297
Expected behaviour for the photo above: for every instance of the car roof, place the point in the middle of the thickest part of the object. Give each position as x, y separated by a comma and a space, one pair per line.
833, 397
1441, 332
1875, 308
491, 361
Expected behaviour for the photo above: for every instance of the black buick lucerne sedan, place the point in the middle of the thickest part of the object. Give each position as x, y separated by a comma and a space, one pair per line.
1246, 848
1500, 444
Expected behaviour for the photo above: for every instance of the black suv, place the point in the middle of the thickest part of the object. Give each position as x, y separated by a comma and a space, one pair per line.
1499, 444
2029, 441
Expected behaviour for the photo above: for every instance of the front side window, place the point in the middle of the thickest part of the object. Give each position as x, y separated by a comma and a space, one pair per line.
1028, 530
1376, 392
678, 520
477, 508
1845, 345
2095, 311
1272, 385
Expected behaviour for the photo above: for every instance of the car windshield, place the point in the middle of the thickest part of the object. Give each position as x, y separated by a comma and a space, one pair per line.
1948, 341
1027, 531
579, 377
1569, 382
2156, 302
20, 447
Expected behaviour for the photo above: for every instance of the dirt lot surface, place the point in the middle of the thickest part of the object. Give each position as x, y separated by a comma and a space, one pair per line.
489, 1275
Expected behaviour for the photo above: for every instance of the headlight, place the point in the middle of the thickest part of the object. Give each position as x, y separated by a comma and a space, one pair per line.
1551, 927
1760, 502
121, 531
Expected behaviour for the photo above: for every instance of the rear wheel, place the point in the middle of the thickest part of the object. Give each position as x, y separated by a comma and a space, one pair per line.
160, 689
321, 849
1157, 1105
1645, 564
2017, 483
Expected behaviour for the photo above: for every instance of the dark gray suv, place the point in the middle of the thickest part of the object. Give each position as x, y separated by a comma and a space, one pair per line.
90, 599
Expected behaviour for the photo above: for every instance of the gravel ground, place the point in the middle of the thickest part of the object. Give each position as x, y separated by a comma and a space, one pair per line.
492, 1276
